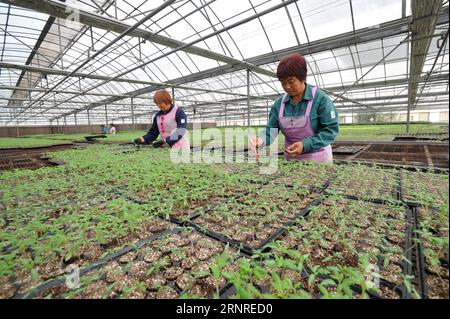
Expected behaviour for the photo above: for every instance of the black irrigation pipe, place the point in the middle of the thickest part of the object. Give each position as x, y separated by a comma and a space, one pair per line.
419, 259
55, 282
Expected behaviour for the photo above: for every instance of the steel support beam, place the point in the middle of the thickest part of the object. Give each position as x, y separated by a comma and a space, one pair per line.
248, 98
61, 10
425, 19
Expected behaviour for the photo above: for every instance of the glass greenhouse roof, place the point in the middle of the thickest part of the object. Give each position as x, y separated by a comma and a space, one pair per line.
64, 58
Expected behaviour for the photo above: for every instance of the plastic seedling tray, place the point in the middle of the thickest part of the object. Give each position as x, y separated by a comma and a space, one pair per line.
410, 168
275, 235
183, 221
133, 248
52, 283
245, 248
409, 203
396, 195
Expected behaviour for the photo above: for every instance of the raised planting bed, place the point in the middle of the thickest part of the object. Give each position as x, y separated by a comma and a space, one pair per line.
424, 189
331, 252
39, 247
432, 239
366, 183
179, 264
254, 219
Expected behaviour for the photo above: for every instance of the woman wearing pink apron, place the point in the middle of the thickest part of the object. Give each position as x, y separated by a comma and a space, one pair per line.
170, 123
304, 114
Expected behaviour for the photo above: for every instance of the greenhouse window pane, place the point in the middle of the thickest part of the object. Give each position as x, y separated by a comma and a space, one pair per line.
370, 13
375, 74
325, 61
251, 41
316, 15
344, 58
396, 70
370, 53
331, 79
400, 52
348, 77
279, 29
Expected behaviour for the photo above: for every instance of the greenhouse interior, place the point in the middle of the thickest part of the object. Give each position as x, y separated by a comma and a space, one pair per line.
239, 149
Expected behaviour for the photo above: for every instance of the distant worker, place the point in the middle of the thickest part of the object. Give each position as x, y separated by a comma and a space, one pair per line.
112, 129
170, 122
305, 115
103, 129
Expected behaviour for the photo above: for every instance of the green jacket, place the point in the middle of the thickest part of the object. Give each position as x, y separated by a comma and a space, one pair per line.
324, 120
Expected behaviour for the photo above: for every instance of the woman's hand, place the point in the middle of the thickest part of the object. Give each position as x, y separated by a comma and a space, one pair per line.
295, 149
255, 142
139, 140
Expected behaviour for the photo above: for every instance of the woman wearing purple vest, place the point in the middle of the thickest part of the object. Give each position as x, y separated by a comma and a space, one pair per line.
170, 123
305, 115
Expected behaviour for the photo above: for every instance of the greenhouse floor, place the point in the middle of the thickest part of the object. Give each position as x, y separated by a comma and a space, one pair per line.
117, 222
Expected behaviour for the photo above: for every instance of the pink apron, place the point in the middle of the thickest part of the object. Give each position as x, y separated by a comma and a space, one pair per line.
296, 128
167, 125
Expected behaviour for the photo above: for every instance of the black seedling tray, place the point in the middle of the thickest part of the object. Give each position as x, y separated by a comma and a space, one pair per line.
275, 235
420, 271
183, 221
245, 248
410, 168
55, 282
407, 202
407, 267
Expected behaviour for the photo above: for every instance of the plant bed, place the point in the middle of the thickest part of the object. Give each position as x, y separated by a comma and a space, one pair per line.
193, 195
256, 218
424, 189
179, 264
432, 239
360, 182
337, 249
271, 275
43, 248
